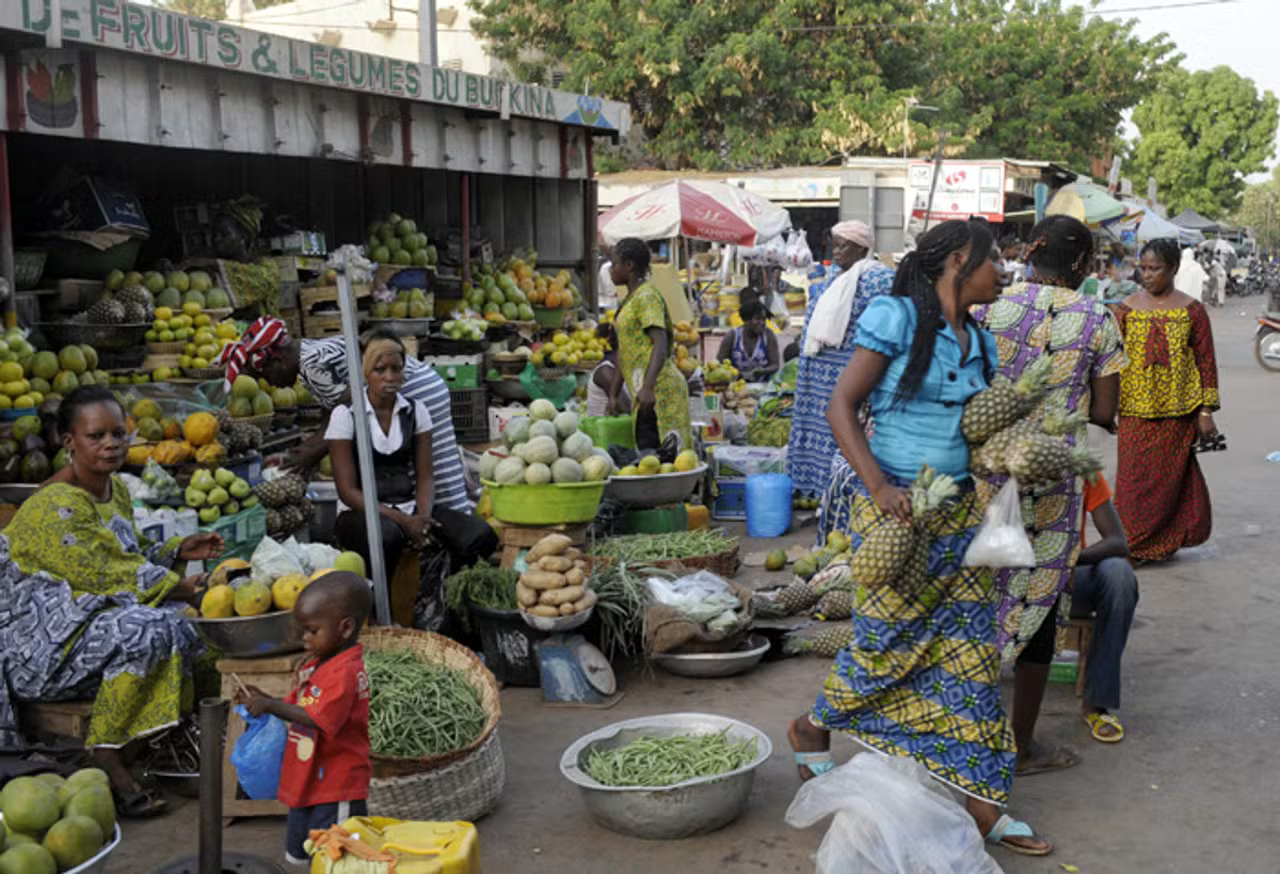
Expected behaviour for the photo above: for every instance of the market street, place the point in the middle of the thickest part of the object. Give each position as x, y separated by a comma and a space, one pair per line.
1193, 788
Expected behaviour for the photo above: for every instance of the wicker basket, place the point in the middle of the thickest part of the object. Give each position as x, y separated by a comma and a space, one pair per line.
28, 268
439, 650
464, 790
174, 348
114, 337
202, 372
723, 564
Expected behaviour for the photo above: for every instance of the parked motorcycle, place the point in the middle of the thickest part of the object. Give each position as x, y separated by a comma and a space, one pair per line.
1266, 343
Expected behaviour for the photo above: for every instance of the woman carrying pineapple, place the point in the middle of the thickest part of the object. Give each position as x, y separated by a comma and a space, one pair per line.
919, 677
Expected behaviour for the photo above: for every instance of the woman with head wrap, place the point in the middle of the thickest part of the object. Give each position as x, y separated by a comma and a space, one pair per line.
826, 347
401, 436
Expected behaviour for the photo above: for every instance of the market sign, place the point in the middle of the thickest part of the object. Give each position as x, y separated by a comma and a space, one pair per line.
965, 189
149, 30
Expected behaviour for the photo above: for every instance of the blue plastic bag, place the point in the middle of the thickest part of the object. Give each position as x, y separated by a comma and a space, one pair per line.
258, 755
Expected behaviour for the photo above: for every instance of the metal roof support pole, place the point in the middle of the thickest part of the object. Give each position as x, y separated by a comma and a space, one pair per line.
6, 236
428, 51
364, 448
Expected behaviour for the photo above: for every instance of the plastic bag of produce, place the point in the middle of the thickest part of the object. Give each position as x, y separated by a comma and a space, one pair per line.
891, 817
272, 560
699, 597
258, 754
1002, 540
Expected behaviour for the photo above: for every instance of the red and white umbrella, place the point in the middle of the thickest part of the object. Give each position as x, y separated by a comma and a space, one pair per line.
696, 209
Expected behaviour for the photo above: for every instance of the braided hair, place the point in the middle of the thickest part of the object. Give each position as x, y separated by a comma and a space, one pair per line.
1167, 250
916, 279
1061, 248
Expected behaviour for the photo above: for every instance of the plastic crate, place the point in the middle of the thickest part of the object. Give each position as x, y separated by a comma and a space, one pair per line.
730, 499
470, 409
241, 533
457, 371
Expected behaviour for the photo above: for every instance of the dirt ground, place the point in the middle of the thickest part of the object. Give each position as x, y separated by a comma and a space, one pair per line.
1192, 789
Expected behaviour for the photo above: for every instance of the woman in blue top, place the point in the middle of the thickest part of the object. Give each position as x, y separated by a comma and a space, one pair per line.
920, 677
753, 348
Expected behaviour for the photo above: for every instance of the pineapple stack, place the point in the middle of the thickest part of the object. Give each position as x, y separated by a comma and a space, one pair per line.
1006, 438
287, 506
802, 594
897, 554
129, 306
825, 640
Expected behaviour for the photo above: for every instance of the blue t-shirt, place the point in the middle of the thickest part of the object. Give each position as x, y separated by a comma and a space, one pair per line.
924, 429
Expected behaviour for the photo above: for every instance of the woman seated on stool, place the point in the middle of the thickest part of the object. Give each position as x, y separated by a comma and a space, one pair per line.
753, 348
90, 607
401, 432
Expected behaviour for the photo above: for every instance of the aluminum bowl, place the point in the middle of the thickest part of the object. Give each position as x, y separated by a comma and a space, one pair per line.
250, 636
693, 807
715, 664
98, 863
560, 623
653, 491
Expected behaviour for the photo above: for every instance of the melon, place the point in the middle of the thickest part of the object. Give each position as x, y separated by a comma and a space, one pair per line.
541, 449
596, 468
566, 423
508, 471
537, 474
576, 446
217, 299
566, 470
489, 463
542, 428
542, 409
168, 297
517, 431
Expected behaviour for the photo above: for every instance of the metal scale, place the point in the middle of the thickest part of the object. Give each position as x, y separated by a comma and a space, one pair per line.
576, 674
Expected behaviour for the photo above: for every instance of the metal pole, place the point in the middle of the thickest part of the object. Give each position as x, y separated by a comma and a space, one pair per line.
933, 183
364, 448
213, 722
7, 268
428, 50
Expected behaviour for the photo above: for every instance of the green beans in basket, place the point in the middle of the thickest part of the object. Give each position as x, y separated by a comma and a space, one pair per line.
665, 761
417, 709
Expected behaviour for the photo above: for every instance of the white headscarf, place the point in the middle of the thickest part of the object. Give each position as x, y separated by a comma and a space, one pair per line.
830, 321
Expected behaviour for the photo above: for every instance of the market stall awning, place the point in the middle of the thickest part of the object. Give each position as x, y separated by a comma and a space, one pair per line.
1087, 202
697, 209
1191, 219
1154, 226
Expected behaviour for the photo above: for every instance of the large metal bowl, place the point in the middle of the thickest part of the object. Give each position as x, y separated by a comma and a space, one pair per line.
655, 490
98, 863
693, 807
251, 636
715, 664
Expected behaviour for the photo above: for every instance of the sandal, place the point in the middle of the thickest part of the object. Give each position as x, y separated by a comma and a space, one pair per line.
816, 762
1097, 722
140, 803
1007, 827
1062, 758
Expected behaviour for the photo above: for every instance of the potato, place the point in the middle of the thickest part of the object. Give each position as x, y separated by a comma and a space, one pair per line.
573, 553
525, 596
567, 610
587, 601
575, 577
556, 597
545, 611
555, 563
542, 580
552, 544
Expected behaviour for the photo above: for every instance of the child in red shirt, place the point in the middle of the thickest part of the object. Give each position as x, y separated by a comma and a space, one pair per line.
324, 778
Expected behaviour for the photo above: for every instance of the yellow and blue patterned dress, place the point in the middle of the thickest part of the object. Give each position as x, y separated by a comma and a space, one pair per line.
83, 614
644, 308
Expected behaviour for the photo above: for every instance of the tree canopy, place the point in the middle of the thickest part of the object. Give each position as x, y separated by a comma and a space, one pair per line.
1201, 134
754, 83
1260, 209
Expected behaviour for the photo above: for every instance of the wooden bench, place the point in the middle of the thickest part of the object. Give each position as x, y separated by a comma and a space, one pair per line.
1079, 636
275, 676
62, 718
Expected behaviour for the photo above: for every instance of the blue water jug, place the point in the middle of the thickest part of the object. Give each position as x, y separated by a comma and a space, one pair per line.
768, 505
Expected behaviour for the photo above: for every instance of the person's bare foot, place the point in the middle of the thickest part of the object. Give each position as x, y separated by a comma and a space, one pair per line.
986, 815
805, 737
132, 798
1039, 759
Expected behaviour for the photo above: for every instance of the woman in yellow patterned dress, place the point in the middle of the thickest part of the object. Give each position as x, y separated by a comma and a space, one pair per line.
89, 608
660, 394
1168, 395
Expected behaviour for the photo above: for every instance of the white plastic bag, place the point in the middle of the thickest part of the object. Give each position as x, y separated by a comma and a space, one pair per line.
699, 597
798, 255
1002, 540
271, 561
891, 817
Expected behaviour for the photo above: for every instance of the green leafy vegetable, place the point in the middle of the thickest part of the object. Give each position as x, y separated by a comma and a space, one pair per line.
481, 585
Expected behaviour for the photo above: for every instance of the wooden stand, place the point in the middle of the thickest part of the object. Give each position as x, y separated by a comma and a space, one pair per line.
274, 675
1081, 631
518, 537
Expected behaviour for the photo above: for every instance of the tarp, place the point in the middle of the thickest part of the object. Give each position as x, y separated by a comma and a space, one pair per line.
1153, 226
697, 209
1189, 218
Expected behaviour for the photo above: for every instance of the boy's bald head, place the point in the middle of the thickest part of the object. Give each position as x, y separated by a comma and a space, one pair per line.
342, 594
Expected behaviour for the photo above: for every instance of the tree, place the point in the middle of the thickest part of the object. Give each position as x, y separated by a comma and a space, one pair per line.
1201, 134
1260, 210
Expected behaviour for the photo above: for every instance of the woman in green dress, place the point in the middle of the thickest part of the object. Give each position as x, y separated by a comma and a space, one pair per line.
90, 607
660, 394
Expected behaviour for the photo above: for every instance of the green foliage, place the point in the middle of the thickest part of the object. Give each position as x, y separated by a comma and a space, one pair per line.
1201, 134
1260, 210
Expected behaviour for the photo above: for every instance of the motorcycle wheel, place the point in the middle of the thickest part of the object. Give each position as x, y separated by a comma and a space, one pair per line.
1266, 348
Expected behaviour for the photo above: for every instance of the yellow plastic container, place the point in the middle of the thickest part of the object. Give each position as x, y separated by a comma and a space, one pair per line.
418, 847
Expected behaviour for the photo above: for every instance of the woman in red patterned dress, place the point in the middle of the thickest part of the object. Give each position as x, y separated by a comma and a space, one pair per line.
1168, 395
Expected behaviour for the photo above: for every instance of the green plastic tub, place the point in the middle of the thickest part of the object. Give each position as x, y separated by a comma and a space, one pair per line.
606, 431
551, 504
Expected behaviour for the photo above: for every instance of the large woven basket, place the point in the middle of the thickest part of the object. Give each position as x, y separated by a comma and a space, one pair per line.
465, 790
437, 650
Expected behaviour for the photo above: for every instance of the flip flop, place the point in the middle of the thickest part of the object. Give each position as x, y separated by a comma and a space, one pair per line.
1007, 827
1096, 721
140, 804
1062, 758
817, 762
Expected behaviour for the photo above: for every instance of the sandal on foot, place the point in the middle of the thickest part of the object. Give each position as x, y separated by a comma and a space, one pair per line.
140, 804
1098, 721
816, 762
1062, 758
1007, 827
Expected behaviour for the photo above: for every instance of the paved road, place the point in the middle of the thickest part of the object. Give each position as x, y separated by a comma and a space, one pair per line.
1193, 788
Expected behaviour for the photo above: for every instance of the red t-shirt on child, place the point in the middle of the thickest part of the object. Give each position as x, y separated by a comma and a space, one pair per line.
331, 764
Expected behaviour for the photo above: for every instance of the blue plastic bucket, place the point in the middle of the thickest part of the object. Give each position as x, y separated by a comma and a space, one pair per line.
768, 505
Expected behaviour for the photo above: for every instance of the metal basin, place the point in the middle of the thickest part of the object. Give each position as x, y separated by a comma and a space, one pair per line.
653, 491
98, 863
693, 807
715, 664
250, 636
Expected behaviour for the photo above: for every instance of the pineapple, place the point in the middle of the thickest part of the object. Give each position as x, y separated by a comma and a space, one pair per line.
1039, 459
835, 605
138, 304
990, 457
827, 642
884, 552
107, 311
1003, 403
795, 598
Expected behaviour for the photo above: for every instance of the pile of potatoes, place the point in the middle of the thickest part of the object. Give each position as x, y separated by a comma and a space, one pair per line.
555, 584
